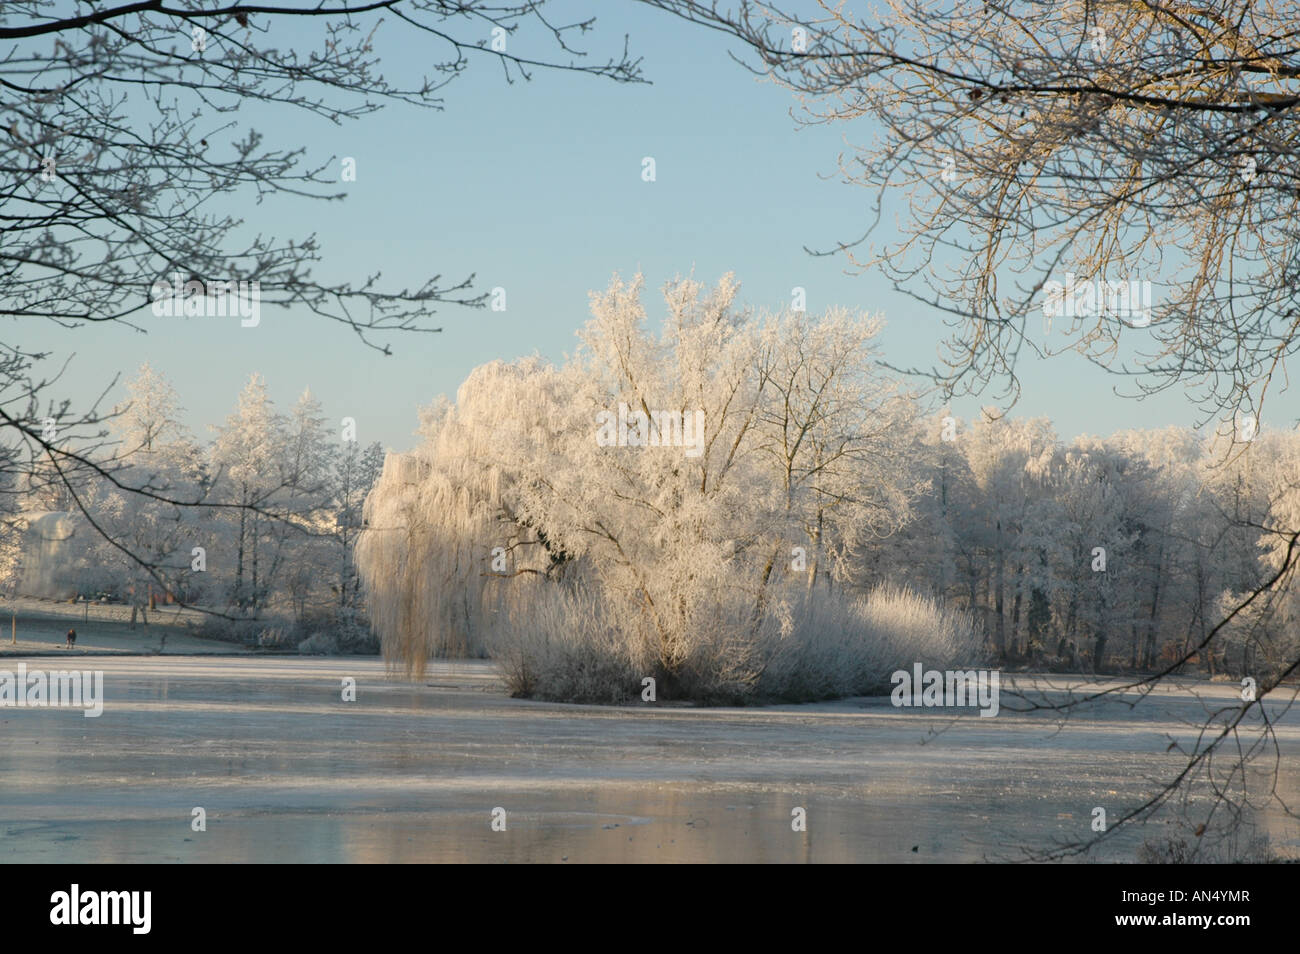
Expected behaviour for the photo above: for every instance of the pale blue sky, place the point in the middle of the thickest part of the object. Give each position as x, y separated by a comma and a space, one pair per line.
537, 188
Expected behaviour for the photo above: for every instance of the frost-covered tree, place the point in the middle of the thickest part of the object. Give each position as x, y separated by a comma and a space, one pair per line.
922, 554
149, 422
354, 473
1254, 555
300, 537
12, 525
1001, 455
837, 468
1162, 595
694, 480
145, 540
249, 471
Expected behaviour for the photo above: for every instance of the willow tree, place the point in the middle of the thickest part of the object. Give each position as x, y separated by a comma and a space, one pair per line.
441, 534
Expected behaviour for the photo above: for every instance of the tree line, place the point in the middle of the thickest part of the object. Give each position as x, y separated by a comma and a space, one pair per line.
819, 478
257, 524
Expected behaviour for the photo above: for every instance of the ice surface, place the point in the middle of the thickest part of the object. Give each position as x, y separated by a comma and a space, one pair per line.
287, 771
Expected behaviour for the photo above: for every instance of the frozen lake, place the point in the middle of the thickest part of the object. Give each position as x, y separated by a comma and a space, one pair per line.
288, 771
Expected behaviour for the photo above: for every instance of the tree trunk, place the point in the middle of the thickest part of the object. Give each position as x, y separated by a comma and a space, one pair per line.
761, 602
997, 596
254, 595
1015, 614
239, 560
1150, 649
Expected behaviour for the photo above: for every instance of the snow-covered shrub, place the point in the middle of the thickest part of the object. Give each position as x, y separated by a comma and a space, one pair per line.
578, 648
911, 628
355, 637
585, 648
564, 647
319, 644
567, 646
246, 632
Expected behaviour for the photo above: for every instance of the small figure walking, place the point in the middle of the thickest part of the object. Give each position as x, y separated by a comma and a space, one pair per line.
72, 638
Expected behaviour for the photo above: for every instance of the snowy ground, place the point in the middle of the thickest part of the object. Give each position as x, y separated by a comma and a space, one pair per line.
42, 626
287, 771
